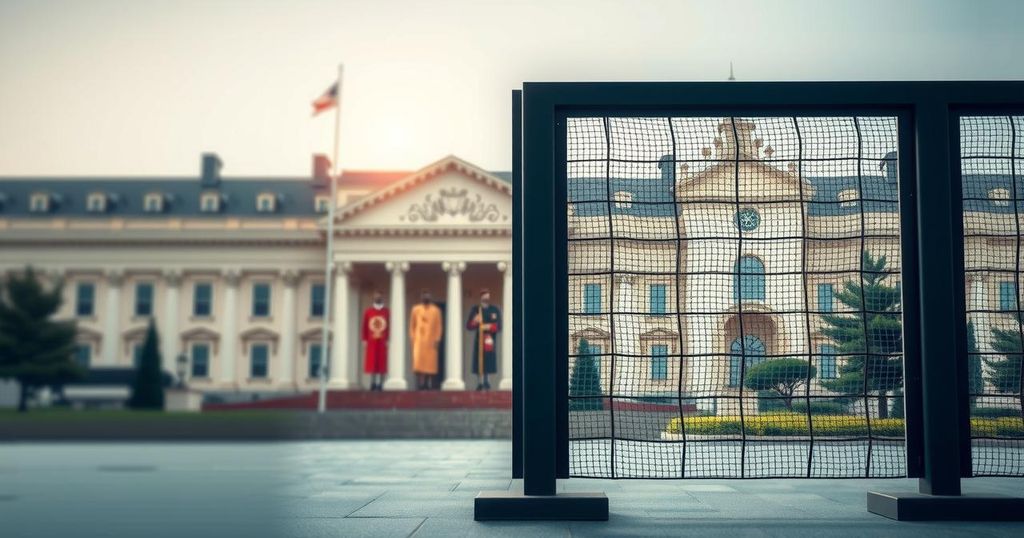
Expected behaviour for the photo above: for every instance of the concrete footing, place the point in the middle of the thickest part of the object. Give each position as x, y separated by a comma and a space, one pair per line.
921, 507
515, 506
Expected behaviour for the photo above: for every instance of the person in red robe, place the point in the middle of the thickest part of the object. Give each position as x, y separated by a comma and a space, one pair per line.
376, 328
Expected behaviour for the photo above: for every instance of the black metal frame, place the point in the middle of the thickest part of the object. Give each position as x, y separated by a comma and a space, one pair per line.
931, 227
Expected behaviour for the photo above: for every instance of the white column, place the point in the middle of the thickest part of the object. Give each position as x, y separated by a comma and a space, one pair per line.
289, 330
338, 370
453, 340
229, 329
979, 301
112, 317
170, 339
506, 326
626, 325
399, 332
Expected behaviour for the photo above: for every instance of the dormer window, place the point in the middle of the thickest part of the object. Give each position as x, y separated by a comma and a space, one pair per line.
623, 199
266, 203
999, 196
322, 203
209, 202
96, 203
39, 203
153, 203
848, 198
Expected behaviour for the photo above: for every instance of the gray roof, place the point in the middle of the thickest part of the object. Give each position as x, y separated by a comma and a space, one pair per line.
295, 195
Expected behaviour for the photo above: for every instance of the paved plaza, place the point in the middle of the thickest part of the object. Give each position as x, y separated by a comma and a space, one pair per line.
400, 488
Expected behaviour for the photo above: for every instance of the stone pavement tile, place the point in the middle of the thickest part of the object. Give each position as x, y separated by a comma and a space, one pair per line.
423, 507
319, 507
347, 527
457, 527
717, 488
483, 484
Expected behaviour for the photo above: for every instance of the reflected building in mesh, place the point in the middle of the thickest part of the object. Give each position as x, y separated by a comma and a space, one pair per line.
699, 247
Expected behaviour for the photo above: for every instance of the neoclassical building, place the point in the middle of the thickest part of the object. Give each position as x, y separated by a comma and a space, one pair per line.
736, 253
232, 269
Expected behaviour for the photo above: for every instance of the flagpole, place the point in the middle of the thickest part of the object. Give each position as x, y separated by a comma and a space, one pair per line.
325, 355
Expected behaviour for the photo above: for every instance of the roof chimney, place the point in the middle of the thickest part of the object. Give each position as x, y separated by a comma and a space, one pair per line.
211, 170
321, 169
889, 163
668, 168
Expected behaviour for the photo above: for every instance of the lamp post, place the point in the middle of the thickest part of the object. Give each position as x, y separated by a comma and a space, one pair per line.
182, 364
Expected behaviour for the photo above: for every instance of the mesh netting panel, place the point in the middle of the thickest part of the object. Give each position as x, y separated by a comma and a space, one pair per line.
734, 298
991, 160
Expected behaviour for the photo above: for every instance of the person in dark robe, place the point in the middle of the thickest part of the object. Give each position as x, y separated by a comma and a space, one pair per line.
376, 329
485, 322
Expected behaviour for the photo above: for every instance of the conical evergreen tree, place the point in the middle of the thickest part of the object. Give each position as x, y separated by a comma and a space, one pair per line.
874, 328
975, 379
35, 350
585, 380
148, 390
1004, 373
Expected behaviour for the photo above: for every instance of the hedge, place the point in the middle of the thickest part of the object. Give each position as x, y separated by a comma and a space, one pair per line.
829, 425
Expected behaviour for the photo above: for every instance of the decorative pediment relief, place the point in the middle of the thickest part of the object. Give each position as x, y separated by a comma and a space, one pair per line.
452, 202
449, 195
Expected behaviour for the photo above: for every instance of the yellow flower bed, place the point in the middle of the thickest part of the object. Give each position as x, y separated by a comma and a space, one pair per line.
831, 425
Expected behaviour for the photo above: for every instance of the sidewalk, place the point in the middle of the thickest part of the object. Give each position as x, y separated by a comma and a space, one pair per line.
400, 488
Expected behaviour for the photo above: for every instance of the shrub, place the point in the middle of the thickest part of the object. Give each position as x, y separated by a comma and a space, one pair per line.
821, 408
795, 424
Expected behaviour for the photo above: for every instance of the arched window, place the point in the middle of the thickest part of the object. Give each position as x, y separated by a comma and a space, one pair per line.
751, 351
749, 280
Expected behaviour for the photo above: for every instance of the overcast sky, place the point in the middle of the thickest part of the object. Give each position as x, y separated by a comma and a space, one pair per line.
142, 87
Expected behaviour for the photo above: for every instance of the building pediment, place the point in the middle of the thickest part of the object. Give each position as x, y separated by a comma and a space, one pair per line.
755, 180
450, 194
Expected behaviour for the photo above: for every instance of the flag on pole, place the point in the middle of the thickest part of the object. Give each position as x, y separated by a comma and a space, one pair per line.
327, 101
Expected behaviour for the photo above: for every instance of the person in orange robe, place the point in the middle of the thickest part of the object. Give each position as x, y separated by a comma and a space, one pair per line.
425, 331
376, 329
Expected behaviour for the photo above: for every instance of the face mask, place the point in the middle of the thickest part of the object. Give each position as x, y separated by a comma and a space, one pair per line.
378, 304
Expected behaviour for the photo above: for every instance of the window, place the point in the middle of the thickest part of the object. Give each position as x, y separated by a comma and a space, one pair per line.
144, 299
260, 300
260, 356
826, 293
96, 202
659, 362
749, 283
153, 203
827, 362
623, 199
999, 196
83, 355
202, 299
209, 202
316, 300
85, 299
266, 202
201, 360
314, 360
39, 203
1007, 296
591, 298
658, 298
136, 355
848, 198
322, 203
751, 352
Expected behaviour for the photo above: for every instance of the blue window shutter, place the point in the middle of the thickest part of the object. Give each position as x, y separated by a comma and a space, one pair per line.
826, 295
591, 298
827, 362
1007, 295
659, 362
658, 298
749, 282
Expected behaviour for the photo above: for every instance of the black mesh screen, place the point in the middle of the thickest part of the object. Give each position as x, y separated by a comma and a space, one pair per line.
734, 297
991, 160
